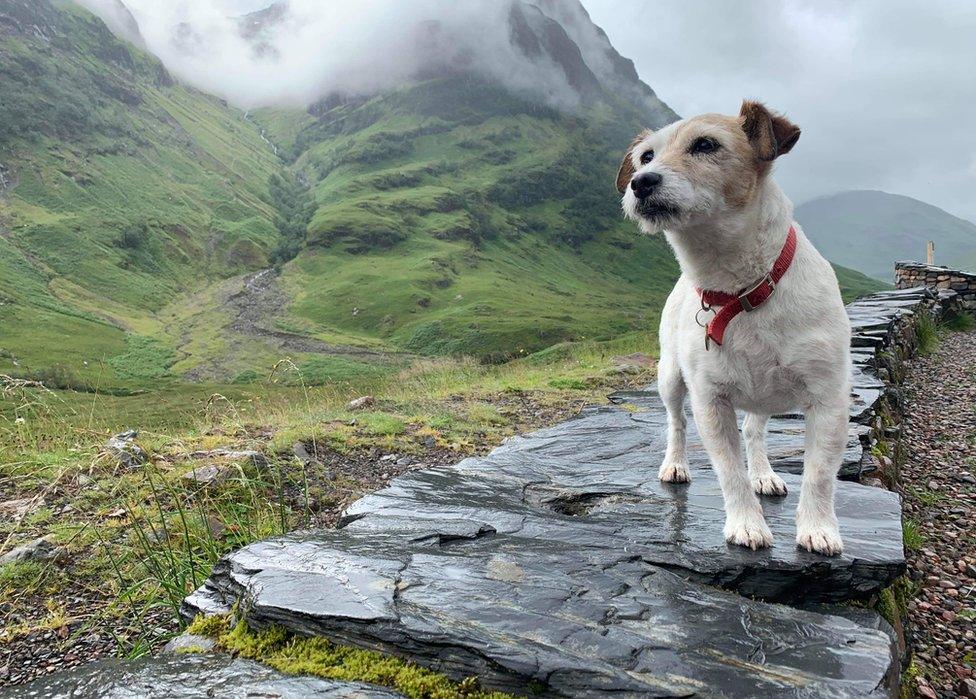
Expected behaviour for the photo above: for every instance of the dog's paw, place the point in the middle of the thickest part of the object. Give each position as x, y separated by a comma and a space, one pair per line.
821, 538
750, 531
768, 484
674, 473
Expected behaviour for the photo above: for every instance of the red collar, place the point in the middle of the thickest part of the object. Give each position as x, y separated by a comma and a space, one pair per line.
746, 300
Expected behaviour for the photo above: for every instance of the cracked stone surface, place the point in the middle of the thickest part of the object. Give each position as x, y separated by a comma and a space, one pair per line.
560, 558
584, 624
190, 676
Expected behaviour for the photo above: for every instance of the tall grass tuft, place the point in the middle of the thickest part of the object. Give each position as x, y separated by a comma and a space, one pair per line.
926, 333
959, 322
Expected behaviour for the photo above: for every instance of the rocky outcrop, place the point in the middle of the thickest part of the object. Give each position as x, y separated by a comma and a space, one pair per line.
559, 559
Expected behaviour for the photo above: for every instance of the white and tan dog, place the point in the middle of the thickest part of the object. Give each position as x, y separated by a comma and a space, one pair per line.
705, 182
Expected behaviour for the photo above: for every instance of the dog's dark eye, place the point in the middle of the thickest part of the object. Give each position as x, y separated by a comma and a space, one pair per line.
704, 145
646, 157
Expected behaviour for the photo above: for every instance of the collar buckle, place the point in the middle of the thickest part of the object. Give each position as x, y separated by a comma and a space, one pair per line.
744, 297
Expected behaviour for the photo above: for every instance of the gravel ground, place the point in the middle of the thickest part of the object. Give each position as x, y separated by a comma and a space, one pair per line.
939, 484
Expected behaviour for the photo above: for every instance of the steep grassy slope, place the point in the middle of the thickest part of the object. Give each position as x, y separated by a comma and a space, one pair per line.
454, 217
870, 231
447, 217
120, 190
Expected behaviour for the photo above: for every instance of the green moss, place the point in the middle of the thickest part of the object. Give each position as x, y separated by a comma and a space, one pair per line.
190, 650
909, 679
211, 626
319, 657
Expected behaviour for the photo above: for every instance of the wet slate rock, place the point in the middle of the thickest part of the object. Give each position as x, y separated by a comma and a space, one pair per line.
784, 438
592, 482
581, 623
560, 558
190, 676
559, 561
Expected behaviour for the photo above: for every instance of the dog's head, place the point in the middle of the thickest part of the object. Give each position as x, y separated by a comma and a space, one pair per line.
698, 168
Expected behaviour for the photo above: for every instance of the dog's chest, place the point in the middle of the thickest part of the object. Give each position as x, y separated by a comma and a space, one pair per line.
756, 379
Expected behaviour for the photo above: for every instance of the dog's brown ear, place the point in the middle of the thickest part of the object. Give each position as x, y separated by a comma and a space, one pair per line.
626, 170
771, 135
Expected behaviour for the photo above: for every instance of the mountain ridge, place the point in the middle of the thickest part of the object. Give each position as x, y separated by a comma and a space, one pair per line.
870, 230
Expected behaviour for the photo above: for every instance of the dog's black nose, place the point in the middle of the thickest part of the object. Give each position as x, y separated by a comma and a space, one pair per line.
645, 183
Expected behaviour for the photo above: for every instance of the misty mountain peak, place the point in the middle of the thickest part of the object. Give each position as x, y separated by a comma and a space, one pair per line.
295, 52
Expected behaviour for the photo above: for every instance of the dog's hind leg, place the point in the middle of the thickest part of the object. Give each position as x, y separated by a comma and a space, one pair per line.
764, 481
719, 429
671, 386
826, 438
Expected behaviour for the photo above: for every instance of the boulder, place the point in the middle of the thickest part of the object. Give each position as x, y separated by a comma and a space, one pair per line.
124, 449
207, 474
361, 403
37, 550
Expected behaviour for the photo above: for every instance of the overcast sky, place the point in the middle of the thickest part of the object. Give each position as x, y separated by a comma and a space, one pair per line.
884, 90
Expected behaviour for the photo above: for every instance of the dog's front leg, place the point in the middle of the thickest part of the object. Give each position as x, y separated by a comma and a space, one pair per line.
764, 480
744, 521
826, 438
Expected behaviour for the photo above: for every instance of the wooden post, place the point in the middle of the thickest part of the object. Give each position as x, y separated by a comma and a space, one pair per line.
930, 253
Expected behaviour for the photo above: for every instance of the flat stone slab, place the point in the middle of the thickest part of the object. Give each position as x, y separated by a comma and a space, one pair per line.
190, 676
561, 559
784, 437
571, 625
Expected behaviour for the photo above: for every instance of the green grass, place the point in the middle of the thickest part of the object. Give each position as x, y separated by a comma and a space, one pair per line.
854, 284
958, 322
147, 537
128, 190
926, 333
912, 535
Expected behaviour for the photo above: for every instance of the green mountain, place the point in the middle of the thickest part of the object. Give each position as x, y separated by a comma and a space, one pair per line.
120, 190
150, 234
870, 231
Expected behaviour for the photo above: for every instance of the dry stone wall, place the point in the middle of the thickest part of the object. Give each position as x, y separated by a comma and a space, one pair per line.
916, 274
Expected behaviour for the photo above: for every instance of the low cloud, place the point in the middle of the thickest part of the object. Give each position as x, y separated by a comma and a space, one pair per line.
314, 48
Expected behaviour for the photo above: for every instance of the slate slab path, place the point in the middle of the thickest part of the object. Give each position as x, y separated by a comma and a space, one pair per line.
559, 561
